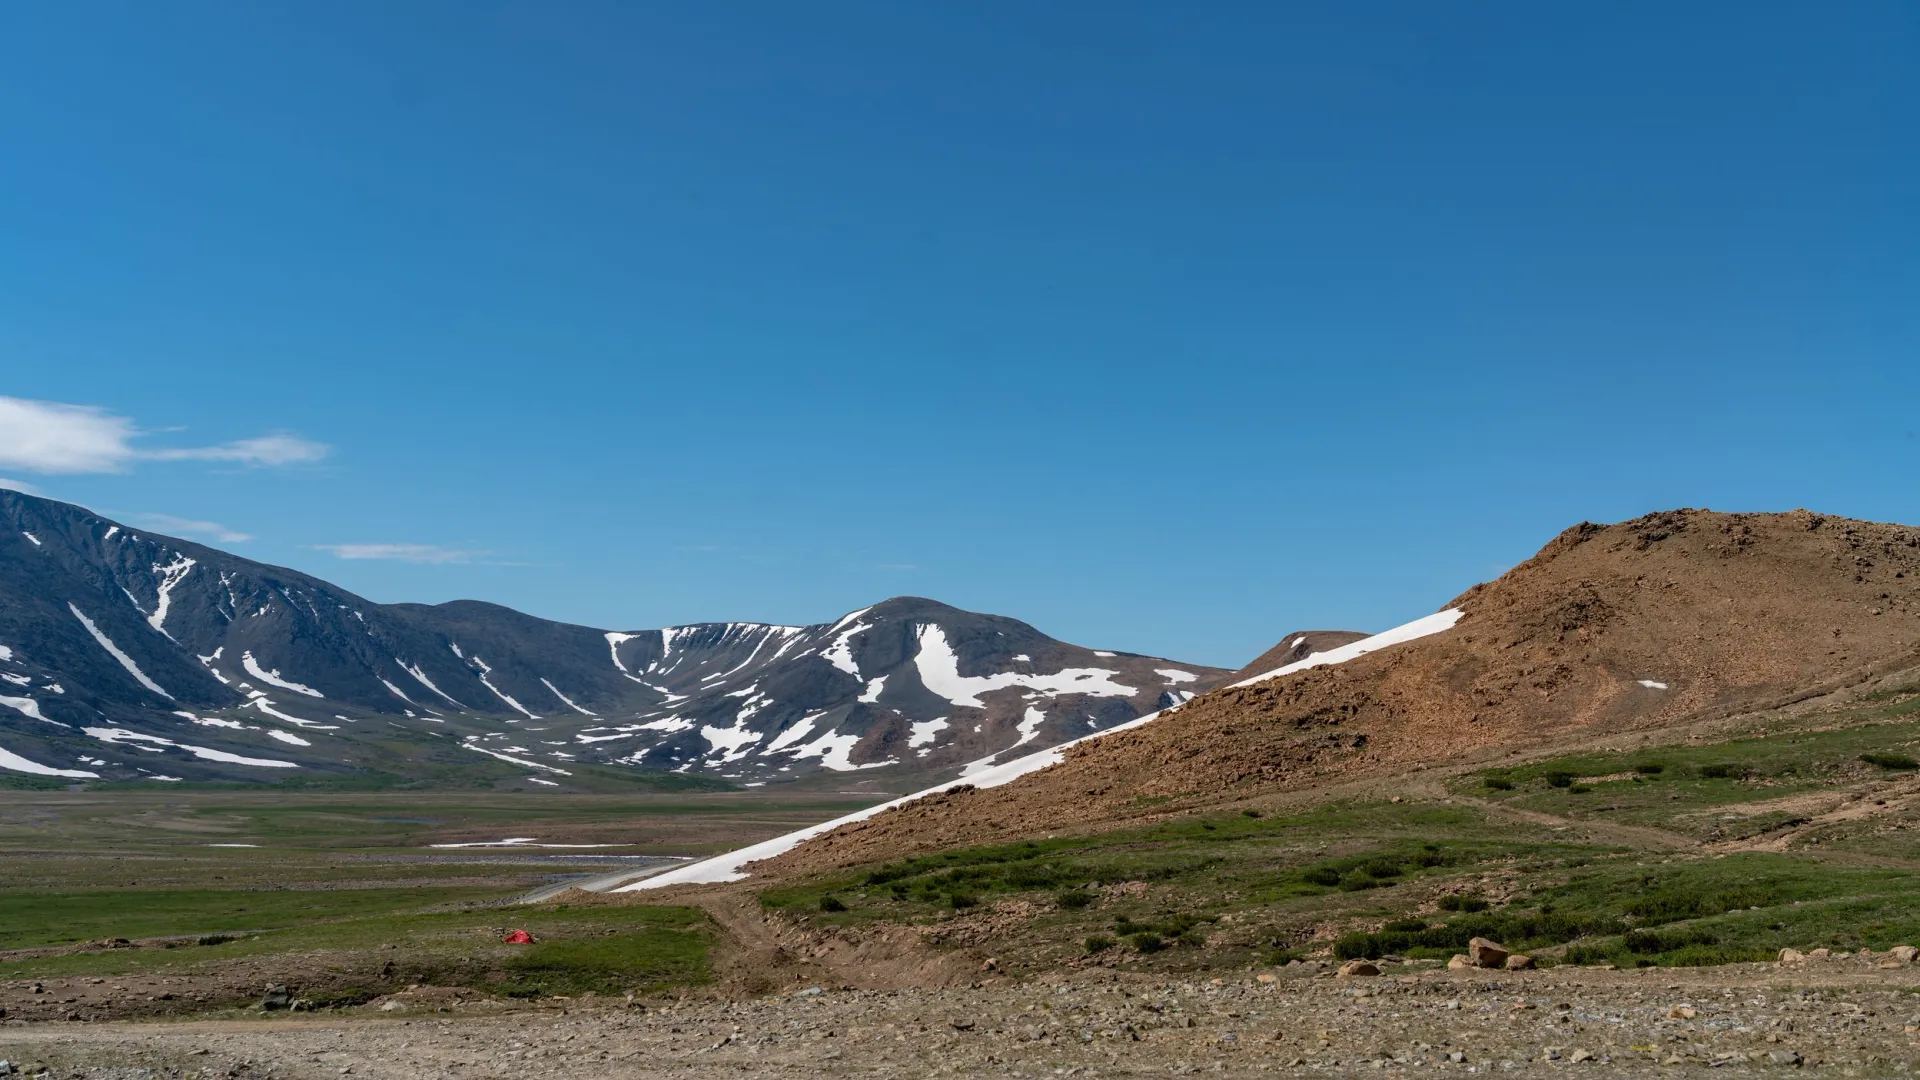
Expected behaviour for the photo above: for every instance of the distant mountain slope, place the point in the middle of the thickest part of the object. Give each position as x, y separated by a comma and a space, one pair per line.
128, 655
1611, 629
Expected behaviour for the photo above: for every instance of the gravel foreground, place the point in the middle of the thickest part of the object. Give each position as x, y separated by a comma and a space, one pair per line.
1746, 1019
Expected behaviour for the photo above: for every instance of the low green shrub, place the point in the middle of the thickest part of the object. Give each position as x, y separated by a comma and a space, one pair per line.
831, 902
1890, 761
1098, 943
1073, 899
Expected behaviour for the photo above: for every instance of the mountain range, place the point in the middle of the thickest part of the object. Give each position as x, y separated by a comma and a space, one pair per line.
131, 656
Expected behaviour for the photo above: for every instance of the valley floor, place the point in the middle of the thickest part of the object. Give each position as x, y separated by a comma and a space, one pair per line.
1842, 1018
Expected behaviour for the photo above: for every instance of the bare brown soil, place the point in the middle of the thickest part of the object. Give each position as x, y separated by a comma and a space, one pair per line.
1731, 613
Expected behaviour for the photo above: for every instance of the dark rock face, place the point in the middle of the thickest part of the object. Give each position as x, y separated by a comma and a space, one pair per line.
128, 655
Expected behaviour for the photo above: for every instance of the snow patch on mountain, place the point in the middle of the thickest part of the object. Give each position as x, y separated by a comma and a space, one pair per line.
565, 700
123, 736
1418, 628
940, 672
171, 575
114, 651
421, 677
272, 678
13, 762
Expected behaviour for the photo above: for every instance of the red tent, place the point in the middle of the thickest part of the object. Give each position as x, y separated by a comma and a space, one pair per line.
518, 937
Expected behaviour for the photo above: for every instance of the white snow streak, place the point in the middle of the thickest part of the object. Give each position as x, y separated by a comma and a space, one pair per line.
28, 706
421, 676
397, 692
122, 735
940, 673
36, 543
792, 735
265, 705
925, 731
1418, 628
486, 671
272, 678
873, 690
567, 700
840, 652
1175, 675
523, 762
1652, 685
170, 575
15, 763
734, 740
114, 650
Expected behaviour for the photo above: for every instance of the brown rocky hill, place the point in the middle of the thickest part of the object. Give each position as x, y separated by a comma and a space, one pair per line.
1294, 648
1669, 618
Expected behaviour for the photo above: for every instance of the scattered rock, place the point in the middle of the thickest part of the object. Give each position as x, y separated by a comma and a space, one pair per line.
1784, 1057
278, 997
1518, 962
1358, 967
1580, 1055
1682, 1012
1792, 956
1266, 977
1482, 953
1903, 954
1459, 962
1820, 954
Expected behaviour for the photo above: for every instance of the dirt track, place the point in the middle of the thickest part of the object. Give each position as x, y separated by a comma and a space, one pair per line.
1848, 1016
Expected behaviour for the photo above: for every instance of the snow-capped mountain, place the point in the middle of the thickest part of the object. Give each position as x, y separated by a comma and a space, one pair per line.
128, 655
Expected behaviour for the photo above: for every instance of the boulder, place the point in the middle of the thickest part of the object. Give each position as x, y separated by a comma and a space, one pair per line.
1358, 967
278, 997
1903, 954
1459, 962
1791, 956
1517, 962
1820, 954
1486, 954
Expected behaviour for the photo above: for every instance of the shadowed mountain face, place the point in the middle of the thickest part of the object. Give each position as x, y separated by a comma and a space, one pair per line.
128, 655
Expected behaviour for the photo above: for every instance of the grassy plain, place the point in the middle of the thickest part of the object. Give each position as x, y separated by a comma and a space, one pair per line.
347, 894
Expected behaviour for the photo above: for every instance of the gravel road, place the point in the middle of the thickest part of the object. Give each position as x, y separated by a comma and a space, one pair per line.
1839, 1019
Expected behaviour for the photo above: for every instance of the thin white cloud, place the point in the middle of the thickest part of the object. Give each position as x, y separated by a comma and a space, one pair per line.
265, 450
414, 553
18, 485
53, 437
179, 526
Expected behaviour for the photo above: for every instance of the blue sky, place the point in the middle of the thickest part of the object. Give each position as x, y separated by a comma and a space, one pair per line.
1168, 328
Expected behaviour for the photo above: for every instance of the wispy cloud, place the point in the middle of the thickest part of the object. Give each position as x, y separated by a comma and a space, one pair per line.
53, 437
18, 485
413, 553
179, 526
